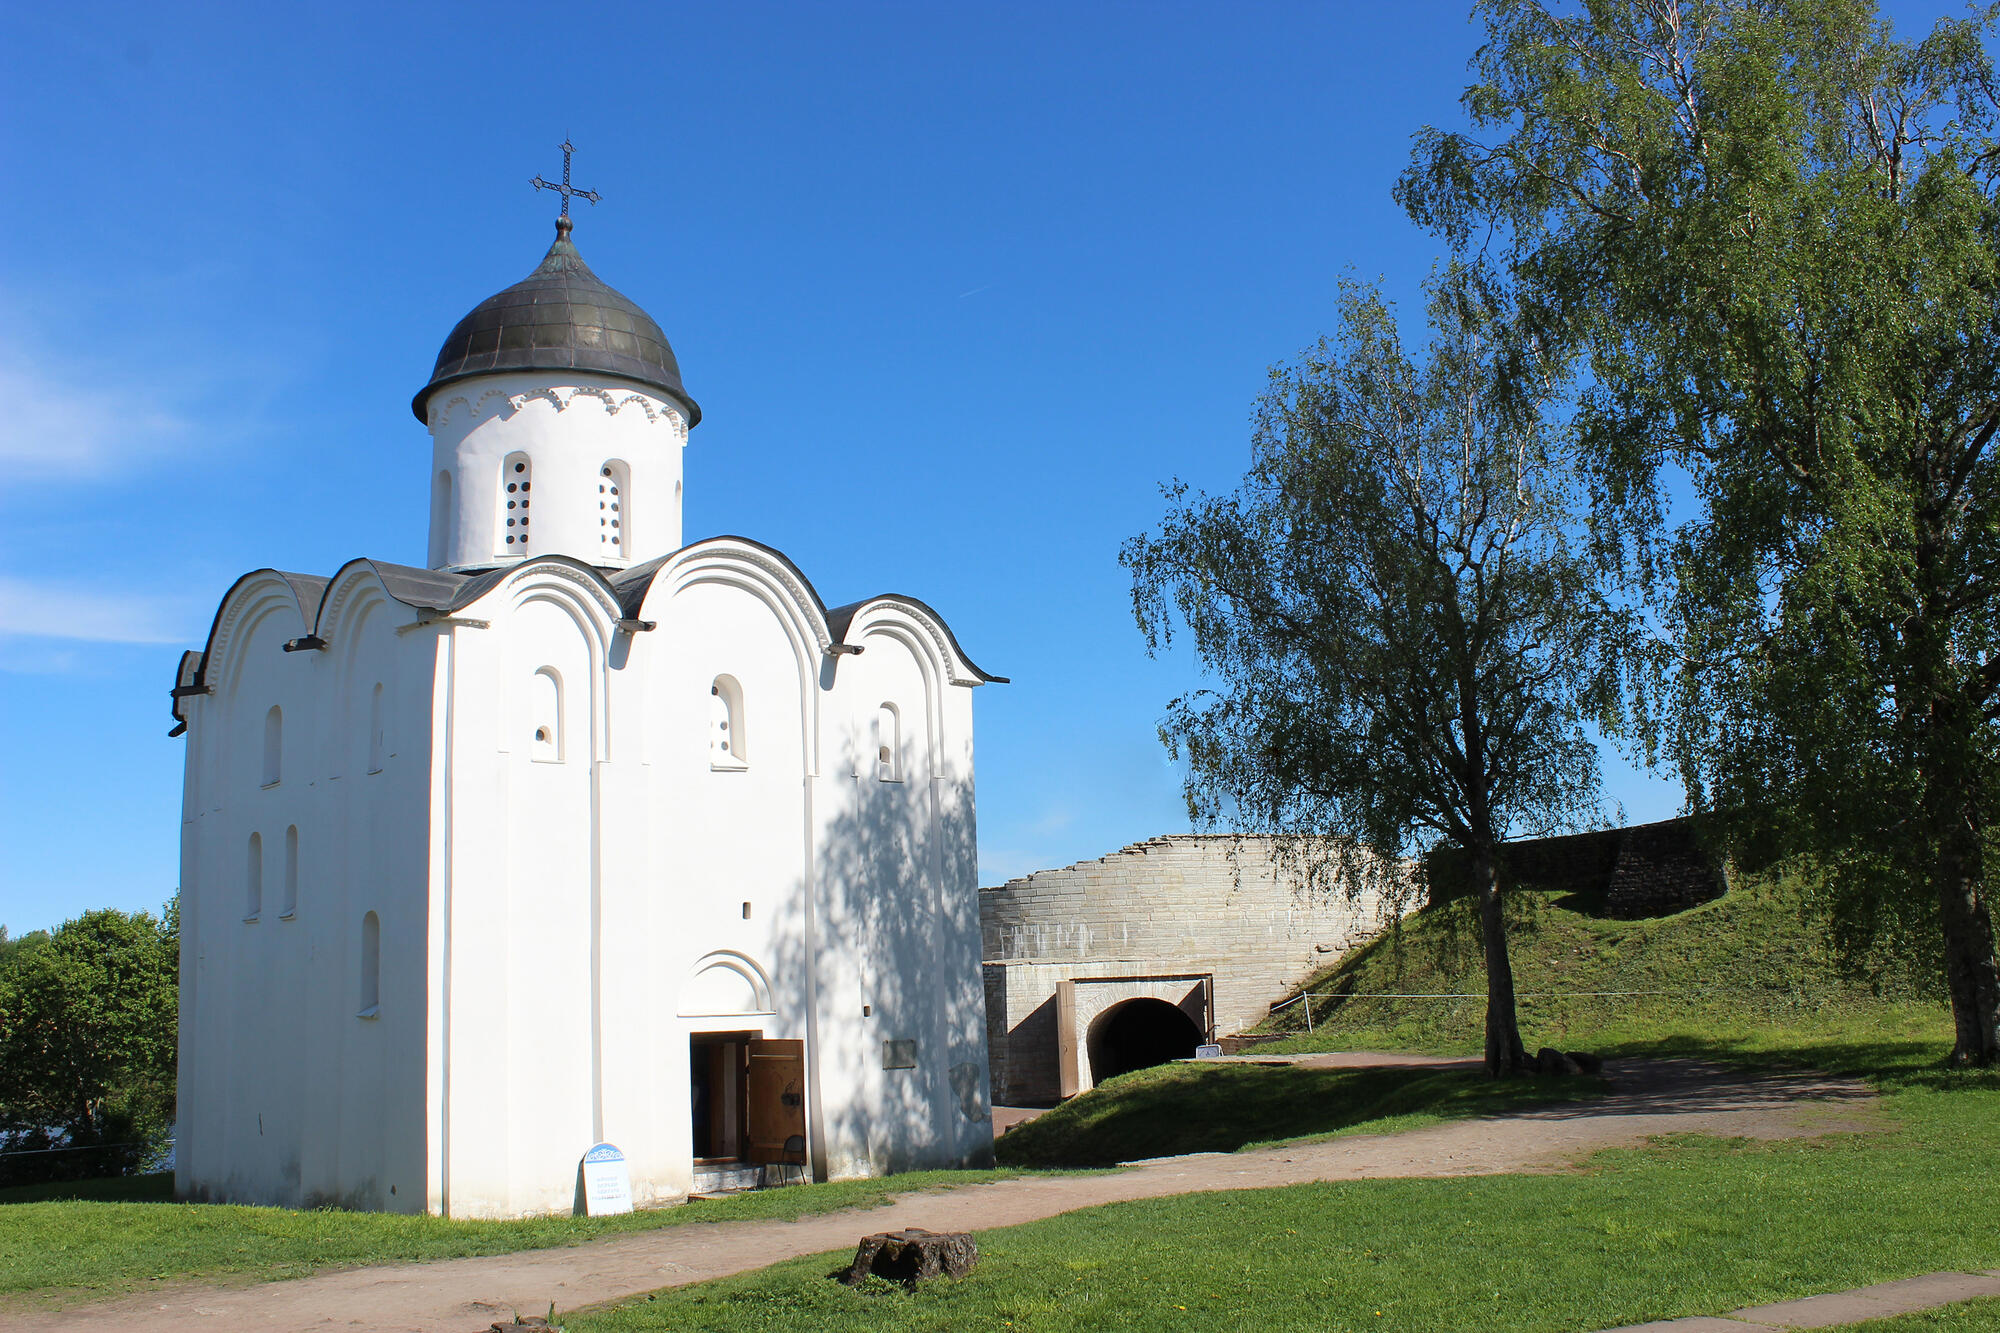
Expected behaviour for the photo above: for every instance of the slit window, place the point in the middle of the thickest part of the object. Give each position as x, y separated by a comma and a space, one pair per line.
614, 509
290, 903
377, 745
371, 967
517, 476
888, 743
274, 745
253, 879
728, 744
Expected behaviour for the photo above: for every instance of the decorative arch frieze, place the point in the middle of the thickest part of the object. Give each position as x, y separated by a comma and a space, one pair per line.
530, 574
562, 398
775, 581
946, 659
352, 594
725, 983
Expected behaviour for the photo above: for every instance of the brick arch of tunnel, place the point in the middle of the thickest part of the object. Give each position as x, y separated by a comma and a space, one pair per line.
1087, 1014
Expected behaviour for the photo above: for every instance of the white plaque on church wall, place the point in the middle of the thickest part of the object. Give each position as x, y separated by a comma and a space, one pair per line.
607, 1182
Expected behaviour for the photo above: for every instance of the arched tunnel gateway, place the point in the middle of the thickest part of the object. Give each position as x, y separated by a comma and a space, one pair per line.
1215, 926
1138, 1034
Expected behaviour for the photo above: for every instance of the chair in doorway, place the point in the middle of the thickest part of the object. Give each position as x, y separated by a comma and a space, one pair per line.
791, 1168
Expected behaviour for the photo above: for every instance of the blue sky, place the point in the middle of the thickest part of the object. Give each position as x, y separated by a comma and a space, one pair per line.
1021, 263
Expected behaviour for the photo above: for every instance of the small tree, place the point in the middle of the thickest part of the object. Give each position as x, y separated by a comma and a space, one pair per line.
1406, 626
87, 1042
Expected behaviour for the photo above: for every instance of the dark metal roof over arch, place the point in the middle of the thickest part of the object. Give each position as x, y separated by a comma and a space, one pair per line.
560, 317
441, 592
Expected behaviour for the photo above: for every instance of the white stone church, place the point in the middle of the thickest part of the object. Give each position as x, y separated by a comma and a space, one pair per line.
579, 834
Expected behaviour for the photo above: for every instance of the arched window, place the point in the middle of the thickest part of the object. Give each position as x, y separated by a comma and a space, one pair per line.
728, 745
290, 901
371, 966
614, 509
515, 476
274, 745
441, 519
888, 744
377, 739
253, 880
545, 740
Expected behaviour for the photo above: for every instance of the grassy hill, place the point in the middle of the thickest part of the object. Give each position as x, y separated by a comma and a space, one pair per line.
1749, 970
1185, 1108
1747, 974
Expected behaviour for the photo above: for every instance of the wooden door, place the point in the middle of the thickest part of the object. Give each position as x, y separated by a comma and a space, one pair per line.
776, 1099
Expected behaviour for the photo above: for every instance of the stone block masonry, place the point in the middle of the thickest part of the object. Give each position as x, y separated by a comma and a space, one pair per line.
1642, 871
1151, 921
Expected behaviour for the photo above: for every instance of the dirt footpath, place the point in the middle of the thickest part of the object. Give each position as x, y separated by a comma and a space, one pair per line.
466, 1295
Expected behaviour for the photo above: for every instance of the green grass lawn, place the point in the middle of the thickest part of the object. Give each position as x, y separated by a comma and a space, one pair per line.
95, 1238
68, 1243
1692, 1226
1183, 1108
1689, 1227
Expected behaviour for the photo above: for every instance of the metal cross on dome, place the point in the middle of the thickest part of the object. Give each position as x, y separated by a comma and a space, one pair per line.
565, 189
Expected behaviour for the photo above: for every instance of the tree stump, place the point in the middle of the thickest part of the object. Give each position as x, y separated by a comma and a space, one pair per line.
911, 1256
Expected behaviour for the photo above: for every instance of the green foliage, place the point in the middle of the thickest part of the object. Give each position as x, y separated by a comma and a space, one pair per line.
1406, 638
1182, 1108
1771, 230
1407, 627
87, 1045
10, 945
1690, 1227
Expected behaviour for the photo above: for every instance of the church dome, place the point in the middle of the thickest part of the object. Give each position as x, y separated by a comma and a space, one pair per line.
560, 317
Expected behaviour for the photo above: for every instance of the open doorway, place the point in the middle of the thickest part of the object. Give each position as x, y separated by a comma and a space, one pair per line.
1137, 1034
717, 1069
747, 1098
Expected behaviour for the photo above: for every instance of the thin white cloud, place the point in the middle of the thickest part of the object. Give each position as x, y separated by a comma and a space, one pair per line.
93, 613
63, 422
1055, 820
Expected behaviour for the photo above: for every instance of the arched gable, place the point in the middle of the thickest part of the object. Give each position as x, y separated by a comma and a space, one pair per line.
590, 603
883, 627
356, 610
850, 622
250, 602
769, 579
354, 594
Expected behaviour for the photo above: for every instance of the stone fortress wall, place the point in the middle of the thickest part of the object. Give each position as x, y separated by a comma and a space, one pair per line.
1639, 871
1209, 924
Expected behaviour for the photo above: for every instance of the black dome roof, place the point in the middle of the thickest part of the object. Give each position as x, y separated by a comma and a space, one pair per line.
560, 317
